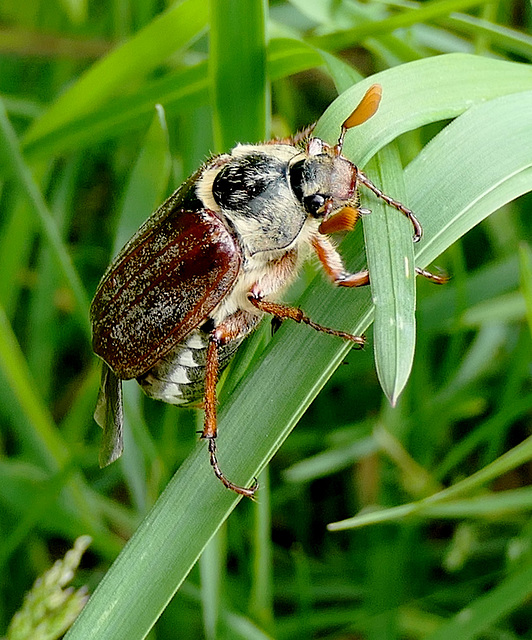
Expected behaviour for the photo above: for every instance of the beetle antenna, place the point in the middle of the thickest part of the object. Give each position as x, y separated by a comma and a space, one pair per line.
366, 108
408, 213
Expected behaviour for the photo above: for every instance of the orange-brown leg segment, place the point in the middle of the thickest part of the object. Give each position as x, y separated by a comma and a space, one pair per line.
334, 267
437, 278
344, 220
210, 424
284, 312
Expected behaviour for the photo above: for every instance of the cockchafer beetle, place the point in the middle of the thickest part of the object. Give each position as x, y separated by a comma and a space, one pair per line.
202, 271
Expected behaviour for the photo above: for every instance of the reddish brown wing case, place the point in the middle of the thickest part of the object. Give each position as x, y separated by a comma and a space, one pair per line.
164, 283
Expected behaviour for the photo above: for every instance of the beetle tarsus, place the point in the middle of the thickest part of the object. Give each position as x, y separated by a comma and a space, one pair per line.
437, 278
359, 341
249, 492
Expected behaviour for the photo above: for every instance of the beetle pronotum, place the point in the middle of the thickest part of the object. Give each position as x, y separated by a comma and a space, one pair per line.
202, 271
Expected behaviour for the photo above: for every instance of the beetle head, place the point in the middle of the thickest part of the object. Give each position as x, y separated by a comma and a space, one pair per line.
322, 180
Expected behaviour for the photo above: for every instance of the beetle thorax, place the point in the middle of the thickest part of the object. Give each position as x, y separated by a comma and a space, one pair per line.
273, 197
267, 274
250, 188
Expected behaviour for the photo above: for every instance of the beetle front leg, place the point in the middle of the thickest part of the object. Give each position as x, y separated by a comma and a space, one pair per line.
210, 428
334, 266
362, 178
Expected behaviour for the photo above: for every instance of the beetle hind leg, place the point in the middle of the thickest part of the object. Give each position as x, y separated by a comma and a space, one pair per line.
210, 429
249, 492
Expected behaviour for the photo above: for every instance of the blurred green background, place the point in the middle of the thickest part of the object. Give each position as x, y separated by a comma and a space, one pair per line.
441, 545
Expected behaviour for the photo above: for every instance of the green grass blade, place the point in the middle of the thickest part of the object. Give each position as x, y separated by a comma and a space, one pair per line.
211, 564
476, 183
41, 433
420, 92
525, 267
390, 253
500, 37
15, 251
344, 76
147, 182
156, 560
177, 90
36, 431
261, 596
331, 460
493, 505
507, 462
12, 162
484, 611
166, 34
44, 336
287, 56
424, 12
238, 72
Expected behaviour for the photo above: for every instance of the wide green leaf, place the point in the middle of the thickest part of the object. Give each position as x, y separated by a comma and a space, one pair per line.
390, 254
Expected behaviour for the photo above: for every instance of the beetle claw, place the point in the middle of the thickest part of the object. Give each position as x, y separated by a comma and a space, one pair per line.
249, 492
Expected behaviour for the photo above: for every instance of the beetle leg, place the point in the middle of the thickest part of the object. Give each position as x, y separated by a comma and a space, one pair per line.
418, 229
281, 273
334, 266
344, 220
437, 278
284, 312
210, 424
211, 378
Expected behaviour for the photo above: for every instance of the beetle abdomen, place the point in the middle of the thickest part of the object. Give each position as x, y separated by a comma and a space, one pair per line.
179, 377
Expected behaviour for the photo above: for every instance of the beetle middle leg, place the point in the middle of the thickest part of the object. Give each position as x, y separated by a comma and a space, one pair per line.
280, 272
284, 312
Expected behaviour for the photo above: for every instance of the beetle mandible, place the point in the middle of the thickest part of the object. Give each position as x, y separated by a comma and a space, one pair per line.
202, 271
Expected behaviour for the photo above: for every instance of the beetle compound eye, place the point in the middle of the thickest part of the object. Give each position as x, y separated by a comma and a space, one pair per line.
314, 203
297, 179
306, 178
